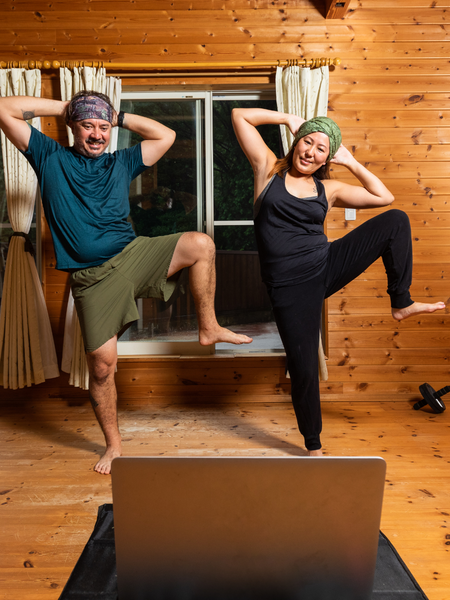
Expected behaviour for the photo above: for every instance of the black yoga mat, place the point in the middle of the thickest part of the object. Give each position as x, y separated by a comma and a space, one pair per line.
94, 576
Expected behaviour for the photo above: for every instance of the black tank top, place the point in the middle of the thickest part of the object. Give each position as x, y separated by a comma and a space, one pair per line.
289, 232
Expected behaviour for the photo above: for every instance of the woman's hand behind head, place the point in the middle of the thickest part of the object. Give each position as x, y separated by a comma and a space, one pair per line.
343, 157
294, 123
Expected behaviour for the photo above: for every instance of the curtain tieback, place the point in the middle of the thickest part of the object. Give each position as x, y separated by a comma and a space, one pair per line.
28, 243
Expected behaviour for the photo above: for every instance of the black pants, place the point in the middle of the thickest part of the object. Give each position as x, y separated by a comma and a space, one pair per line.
298, 308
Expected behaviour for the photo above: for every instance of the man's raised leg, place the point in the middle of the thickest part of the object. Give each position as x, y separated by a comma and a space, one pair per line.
103, 397
197, 251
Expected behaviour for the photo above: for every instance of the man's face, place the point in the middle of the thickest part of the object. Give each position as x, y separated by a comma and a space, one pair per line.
91, 136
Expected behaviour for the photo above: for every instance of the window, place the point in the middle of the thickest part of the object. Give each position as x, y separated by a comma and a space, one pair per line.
203, 183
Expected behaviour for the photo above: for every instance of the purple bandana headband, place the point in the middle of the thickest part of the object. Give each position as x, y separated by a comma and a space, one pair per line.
91, 107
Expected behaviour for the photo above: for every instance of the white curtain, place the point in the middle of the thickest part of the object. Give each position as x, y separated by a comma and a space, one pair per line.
73, 81
303, 92
27, 349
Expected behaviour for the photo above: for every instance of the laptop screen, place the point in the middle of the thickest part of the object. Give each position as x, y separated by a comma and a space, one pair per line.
247, 528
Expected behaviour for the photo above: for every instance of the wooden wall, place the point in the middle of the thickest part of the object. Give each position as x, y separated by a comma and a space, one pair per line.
391, 97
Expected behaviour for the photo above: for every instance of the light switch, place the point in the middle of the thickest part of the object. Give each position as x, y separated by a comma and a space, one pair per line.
350, 214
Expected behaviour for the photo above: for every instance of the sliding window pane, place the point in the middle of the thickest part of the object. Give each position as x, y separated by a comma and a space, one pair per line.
242, 302
167, 198
233, 175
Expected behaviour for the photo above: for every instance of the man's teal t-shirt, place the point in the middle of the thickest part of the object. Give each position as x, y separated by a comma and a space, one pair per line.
86, 200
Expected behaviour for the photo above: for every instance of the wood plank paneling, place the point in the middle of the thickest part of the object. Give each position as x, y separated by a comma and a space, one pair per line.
394, 118
414, 187
159, 27
348, 305
152, 5
172, 52
428, 272
436, 321
391, 97
436, 101
398, 356
403, 135
418, 221
377, 288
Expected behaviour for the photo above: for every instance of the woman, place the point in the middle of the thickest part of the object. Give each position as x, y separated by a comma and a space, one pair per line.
298, 265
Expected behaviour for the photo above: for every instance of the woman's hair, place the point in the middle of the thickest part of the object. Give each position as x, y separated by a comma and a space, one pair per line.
285, 164
85, 94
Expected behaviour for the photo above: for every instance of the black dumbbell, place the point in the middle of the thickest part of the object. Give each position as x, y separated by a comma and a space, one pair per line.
432, 398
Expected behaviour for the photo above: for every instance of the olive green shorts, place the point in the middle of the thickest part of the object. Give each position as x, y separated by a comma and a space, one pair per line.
105, 295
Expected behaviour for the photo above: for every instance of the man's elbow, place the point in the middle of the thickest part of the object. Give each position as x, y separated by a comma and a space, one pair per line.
169, 138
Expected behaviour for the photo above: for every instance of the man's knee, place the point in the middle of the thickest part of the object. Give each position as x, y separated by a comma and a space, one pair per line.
204, 244
200, 245
101, 368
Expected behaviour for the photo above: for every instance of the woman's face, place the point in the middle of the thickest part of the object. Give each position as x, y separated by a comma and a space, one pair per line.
311, 152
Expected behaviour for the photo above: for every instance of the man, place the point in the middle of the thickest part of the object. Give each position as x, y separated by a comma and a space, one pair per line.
85, 196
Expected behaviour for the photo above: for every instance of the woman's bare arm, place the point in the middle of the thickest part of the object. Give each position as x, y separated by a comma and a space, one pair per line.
373, 192
262, 159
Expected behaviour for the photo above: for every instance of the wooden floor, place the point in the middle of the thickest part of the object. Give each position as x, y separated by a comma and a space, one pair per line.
49, 494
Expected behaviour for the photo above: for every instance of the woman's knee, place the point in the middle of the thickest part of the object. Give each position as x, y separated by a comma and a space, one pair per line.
304, 374
398, 218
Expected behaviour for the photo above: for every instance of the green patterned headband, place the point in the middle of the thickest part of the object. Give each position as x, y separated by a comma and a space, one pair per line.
323, 125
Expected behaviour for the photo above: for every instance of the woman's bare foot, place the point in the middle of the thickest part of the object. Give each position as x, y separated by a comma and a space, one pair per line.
315, 453
416, 308
104, 464
220, 334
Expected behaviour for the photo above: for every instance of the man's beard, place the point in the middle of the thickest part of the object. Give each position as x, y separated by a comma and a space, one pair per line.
81, 148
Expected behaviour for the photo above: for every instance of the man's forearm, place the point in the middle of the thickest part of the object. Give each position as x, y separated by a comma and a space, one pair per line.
147, 128
15, 110
157, 138
28, 107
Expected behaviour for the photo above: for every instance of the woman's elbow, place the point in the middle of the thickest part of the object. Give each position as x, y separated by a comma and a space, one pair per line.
235, 114
238, 114
389, 198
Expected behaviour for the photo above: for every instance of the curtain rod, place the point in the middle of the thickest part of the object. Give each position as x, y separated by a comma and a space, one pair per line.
239, 66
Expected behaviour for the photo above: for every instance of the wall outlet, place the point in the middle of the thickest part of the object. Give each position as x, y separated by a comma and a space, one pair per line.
350, 214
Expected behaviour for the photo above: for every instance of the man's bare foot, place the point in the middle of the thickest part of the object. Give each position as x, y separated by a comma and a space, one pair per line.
315, 453
220, 334
104, 464
416, 308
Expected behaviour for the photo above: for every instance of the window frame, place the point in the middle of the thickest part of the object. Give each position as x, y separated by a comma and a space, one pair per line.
205, 220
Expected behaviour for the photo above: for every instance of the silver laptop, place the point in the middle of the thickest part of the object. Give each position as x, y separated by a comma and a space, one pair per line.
235, 528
